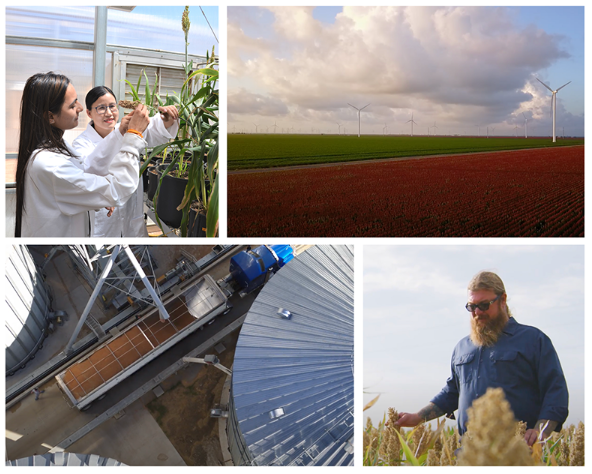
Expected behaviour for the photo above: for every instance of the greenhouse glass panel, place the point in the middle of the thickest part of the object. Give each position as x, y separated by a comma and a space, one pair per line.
75, 64
63, 23
160, 28
170, 81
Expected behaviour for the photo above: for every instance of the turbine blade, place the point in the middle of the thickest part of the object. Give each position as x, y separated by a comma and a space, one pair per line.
562, 86
364, 106
544, 84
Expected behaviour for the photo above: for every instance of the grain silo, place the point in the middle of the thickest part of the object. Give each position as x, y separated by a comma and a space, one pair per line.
65, 459
27, 308
292, 388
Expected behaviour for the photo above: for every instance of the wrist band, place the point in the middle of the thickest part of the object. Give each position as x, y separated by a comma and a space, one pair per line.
129, 130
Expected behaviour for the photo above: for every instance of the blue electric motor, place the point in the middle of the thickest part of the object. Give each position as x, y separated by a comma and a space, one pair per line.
252, 268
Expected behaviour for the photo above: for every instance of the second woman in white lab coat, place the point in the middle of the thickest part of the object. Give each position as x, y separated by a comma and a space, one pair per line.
56, 194
103, 130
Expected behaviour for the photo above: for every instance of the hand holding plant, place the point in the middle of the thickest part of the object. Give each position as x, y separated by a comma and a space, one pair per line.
168, 114
195, 149
140, 119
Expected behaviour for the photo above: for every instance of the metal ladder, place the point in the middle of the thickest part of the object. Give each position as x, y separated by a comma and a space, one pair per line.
94, 325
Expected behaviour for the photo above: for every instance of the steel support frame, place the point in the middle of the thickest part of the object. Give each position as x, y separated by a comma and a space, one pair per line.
91, 300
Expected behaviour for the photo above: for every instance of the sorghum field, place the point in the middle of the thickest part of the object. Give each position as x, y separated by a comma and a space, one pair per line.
493, 438
273, 150
525, 193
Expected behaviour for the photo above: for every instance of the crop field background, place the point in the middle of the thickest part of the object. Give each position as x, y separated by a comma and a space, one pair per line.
271, 150
527, 193
493, 438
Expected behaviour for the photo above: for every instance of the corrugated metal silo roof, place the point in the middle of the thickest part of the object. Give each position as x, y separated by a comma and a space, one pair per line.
292, 378
65, 459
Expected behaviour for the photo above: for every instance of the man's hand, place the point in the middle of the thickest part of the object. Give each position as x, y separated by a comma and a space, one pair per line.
542, 430
169, 114
531, 436
408, 420
110, 209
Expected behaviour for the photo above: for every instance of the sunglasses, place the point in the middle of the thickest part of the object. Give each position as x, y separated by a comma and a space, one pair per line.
482, 306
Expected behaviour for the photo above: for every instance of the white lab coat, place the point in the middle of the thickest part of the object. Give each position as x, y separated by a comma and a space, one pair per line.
61, 194
128, 220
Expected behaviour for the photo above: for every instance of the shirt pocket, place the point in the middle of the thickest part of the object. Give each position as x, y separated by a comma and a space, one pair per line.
505, 364
463, 368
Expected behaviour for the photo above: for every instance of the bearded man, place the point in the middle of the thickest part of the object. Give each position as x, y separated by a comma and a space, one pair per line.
500, 352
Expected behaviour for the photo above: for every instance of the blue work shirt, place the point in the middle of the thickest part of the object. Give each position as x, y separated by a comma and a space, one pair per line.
523, 362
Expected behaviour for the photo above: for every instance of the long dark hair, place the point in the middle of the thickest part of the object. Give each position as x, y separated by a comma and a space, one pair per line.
95, 94
43, 93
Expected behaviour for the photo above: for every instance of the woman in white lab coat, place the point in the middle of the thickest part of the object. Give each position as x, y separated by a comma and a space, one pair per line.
56, 193
101, 108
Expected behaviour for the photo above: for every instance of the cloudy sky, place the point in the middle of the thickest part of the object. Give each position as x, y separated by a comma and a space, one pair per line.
414, 297
461, 68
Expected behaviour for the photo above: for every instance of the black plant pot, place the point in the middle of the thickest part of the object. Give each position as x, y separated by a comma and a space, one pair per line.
153, 179
158, 159
145, 176
197, 223
171, 194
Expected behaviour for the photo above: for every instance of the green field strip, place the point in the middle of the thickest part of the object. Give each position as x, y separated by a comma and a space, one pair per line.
267, 151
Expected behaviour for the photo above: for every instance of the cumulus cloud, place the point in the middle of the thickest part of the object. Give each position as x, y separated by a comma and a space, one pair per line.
462, 64
245, 102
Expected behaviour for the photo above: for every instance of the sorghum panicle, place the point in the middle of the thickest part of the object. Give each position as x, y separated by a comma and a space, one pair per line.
491, 429
390, 448
433, 459
576, 447
185, 23
520, 429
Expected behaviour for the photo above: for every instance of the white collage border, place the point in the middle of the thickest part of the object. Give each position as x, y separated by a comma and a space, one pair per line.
358, 243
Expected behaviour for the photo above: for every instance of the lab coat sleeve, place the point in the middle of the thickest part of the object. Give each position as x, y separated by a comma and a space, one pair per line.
98, 156
77, 191
156, 134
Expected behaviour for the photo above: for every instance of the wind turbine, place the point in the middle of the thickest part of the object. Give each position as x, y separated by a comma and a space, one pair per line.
256, 127
525, 126
553, 103
359, 122
274, 125
339, 125
434, 127
516, 131
412, 122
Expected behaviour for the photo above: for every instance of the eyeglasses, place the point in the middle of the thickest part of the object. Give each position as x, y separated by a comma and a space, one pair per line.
102, 109
482, 306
